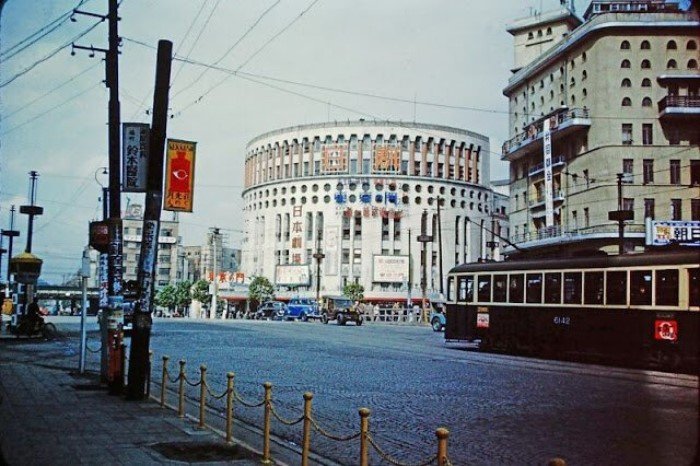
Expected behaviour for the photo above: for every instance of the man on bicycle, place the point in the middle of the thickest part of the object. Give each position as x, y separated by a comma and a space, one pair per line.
34, 315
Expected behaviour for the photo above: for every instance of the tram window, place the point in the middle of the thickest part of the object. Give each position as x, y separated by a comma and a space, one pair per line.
572, 288
450, 286
516, 288
534, 288
552, 288
466, 288
593, 288
640, 287
694, 287
616, 288
484, 292
667, 287
500, 288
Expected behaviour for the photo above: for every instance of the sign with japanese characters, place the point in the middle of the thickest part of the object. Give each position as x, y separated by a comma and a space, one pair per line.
179, 175
390, 269
292, 275
548, 187
135, 154
296, 250
335, 159
387, 159
662, 233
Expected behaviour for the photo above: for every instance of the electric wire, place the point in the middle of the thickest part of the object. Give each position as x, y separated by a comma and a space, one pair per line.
196, 40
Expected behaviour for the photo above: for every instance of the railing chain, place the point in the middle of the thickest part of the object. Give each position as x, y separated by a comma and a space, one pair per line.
320, 430
386, 457
282, 420
247, 404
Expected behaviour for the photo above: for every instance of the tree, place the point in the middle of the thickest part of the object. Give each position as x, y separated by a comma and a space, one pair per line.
354, 291
260, 290
166, 297
200, 292
183, 296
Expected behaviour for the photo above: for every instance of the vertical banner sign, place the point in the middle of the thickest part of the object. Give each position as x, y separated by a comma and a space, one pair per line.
330, 247
179, 175
548, 194
135, 154
149, 245
104, 285
297, 236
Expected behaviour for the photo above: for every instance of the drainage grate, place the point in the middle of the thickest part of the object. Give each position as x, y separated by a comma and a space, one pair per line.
202, 452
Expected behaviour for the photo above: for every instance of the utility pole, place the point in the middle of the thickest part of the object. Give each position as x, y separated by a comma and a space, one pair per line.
141, 334
410, 274
439, 227
318, 256
424, 238
11, 234
215, 279
84, 275
620, 215
31, 211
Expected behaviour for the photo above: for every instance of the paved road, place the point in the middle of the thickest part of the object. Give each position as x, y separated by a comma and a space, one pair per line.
499, 409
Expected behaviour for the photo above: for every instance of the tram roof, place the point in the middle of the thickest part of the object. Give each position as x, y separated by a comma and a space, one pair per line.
670, 257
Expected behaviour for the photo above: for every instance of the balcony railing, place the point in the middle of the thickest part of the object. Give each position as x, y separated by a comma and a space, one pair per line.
561, 118
556, 161
558, 231
679, 101
539, 201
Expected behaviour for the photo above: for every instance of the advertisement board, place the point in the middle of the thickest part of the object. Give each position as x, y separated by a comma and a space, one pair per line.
135, 153
387, 159
335, 159
663, 233
179, 175
292, 275
390, 269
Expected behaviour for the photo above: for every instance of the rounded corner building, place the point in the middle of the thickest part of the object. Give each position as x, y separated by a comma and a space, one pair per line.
357, 202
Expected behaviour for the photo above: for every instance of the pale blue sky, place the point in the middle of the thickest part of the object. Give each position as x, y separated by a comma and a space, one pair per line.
440, 51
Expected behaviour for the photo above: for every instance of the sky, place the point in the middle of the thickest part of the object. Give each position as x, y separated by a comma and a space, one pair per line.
423, 55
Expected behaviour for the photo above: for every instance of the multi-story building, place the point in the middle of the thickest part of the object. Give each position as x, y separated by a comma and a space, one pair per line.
616, 93
361, 193
168, 244
201, 262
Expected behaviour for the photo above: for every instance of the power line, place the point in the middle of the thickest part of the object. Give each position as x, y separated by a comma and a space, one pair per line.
199, 35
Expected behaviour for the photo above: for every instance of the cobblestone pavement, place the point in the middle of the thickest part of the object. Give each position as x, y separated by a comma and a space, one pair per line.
500, 410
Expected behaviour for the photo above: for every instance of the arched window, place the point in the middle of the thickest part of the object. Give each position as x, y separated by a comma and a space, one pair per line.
671, 45
539, 33
584, 75
645, 45
551, 95
585, 92
625, 45
646, 82
573, 100
626, 83
646, 102
583, 56
572, 82
549, 31
572, 64
626, 102
625, 64
530, 35
646, 64
671, 65
691, 45
692, 64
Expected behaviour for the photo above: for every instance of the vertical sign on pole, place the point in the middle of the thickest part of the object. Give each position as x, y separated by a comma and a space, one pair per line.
179, 175
135, 153
548, 194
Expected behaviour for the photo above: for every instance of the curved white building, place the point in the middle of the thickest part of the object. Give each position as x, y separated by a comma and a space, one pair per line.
358, 193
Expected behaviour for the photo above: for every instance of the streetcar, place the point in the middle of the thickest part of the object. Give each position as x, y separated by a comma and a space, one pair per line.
638, 310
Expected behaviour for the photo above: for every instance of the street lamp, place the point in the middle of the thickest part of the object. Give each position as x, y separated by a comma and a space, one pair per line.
318, 256
105, 192
423, 238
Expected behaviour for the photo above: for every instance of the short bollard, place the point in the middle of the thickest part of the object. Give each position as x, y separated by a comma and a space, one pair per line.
306, 442
364, 430
229, 407
148, 373
164, 381
442, 434
266, 426
181, 390
202, 394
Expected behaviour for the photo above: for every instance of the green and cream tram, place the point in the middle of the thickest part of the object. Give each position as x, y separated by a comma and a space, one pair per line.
635, 309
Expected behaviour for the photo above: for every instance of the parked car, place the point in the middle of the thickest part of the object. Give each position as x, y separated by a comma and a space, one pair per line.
270, 310
437, 319
341, 309
302, 309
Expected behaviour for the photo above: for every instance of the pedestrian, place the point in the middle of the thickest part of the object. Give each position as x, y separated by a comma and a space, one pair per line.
395, 312
375, 311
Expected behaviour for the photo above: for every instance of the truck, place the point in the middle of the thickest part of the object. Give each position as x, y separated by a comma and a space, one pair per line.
302, 309
340, 309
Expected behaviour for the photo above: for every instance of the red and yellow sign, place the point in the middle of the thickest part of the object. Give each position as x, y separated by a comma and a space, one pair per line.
179, 175
666, 330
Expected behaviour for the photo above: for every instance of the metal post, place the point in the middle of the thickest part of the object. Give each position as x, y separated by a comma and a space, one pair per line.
306, 441
85, 274
202, 395
364, 431
181, 390
409, 300
214, 282
229, 407
620, 221
164, 381
148, 373
439, 232
442, 434
11, 233
266, 426
318, 256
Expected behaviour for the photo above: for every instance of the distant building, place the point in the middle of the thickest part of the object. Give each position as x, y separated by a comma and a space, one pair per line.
200, 262
616, 93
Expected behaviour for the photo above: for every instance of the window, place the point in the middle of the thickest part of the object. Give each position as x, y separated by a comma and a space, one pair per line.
671, 64
646, 102
625, 45
646, 82
625, 63
626, 83
616, 288
695, 172
500, 288
675, 171
572, 287
645, 45
628, 203
534, 288
671, 45
627, 134
586, 217
466, 288
627, 169
649, 208
667, 287
593, 292
646, 64
530, 35
647, 134
549, 31
626, 102
648, 167
692, 64
694, 287
552, 288
516, 288
484, 288
692, 45
640, 287
676, 209
695, 210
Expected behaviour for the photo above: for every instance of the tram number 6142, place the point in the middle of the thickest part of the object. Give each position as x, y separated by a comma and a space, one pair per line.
562, 320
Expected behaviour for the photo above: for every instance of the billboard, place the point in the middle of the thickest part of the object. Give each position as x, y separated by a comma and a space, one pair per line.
663, 233
290, 275
135, 154
335, 159
390, 269
387, 159
179, 175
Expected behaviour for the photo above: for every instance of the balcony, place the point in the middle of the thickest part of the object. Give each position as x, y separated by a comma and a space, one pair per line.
539, 168
603, 234
679, 106
562, 122
557, 196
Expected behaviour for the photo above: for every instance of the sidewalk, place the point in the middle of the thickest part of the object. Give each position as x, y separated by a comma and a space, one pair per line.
50, 414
